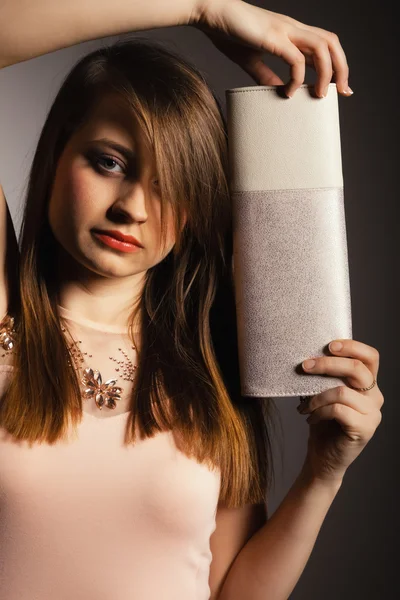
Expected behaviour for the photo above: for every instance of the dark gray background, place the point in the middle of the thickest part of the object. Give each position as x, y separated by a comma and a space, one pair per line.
354, 556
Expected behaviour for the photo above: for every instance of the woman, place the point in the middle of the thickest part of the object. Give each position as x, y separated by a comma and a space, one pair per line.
130, 465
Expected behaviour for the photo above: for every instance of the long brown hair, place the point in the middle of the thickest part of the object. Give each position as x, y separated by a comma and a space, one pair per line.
187, 378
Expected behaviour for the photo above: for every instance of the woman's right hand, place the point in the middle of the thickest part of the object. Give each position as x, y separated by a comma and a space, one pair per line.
244, 32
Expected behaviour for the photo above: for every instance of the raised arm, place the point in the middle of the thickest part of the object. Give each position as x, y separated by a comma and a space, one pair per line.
243, 32
29, 29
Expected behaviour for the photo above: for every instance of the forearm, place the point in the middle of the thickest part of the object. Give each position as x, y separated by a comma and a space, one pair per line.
32, 28
271, 563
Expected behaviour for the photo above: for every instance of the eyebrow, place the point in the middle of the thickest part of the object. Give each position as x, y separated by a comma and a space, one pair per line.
127, 152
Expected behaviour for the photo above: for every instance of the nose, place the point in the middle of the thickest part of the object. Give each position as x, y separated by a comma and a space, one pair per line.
131, 205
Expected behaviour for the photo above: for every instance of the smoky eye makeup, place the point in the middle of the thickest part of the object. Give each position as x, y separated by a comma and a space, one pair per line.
103, 162
99, 157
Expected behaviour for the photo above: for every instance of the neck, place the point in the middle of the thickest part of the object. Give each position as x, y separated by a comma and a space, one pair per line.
108, 300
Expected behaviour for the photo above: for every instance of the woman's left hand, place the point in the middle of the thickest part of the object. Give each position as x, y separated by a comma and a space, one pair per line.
342, 420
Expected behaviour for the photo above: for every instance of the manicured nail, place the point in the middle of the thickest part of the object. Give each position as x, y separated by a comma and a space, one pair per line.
308, 364
335, 346
348, 91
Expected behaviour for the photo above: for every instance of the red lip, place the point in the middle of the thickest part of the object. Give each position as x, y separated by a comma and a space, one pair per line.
121, 236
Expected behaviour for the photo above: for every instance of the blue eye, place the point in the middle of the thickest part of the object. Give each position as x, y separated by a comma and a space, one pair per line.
103, 158
97, 159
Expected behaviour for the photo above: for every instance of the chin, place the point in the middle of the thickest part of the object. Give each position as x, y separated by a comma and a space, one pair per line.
112, 266
75, 261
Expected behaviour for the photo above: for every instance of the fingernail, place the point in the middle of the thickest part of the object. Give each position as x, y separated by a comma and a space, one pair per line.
335, 346
348, 91
308, 364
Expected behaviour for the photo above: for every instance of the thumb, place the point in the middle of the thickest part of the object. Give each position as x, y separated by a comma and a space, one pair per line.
262, 74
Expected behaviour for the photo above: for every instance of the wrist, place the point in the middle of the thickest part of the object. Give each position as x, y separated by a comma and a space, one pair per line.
204, 13
308, 478
196, 12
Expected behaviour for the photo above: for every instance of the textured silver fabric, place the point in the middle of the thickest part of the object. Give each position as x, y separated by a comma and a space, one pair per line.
292, 288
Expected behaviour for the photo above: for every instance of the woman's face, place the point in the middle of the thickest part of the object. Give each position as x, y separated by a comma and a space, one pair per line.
113, 192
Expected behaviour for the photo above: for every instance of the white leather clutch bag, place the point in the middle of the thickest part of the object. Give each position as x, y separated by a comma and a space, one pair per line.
291, 276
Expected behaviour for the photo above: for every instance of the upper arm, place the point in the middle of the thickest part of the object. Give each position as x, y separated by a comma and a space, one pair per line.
234, 527
9, 256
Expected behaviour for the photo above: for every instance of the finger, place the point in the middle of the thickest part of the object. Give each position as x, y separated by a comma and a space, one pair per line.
357, 427
355, 349
353, 369
323, 66
292, 55
310, 42
339, 60
342, 395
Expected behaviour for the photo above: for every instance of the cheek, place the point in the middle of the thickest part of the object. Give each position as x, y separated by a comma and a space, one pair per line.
73, 200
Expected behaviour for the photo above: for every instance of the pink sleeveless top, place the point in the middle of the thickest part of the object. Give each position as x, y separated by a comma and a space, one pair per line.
92, 519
